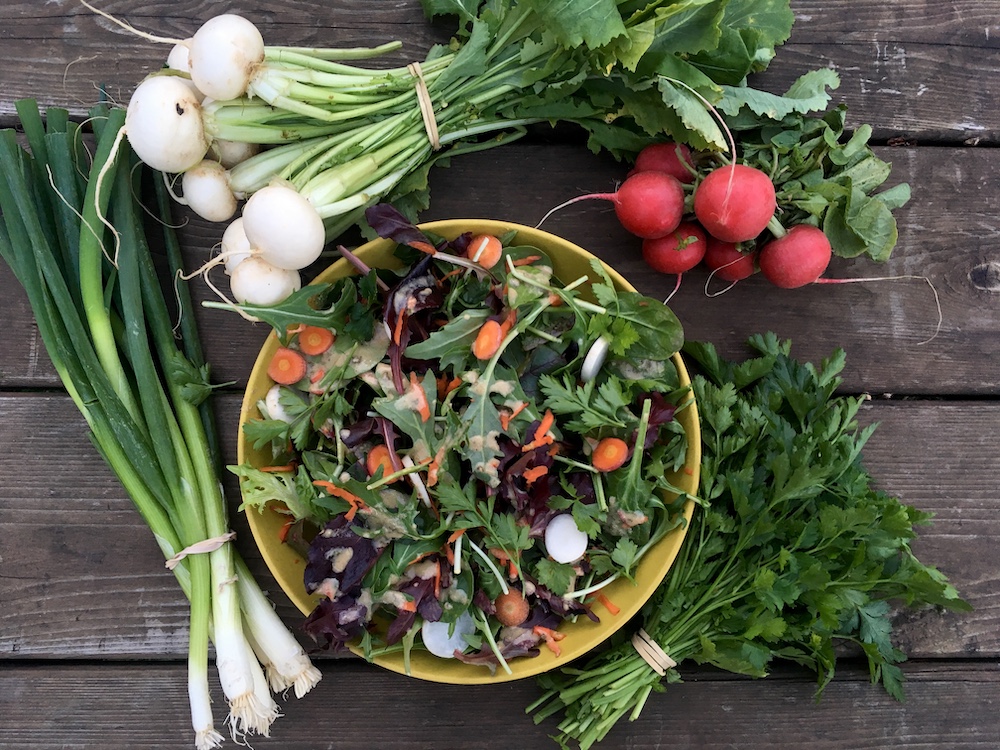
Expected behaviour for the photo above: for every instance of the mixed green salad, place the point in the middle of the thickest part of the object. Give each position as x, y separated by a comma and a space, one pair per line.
468, 449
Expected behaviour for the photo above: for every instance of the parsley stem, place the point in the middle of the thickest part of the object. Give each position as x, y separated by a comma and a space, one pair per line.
491, 565
488, 632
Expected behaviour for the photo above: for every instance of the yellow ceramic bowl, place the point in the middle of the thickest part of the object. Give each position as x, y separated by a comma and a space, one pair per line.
569, 262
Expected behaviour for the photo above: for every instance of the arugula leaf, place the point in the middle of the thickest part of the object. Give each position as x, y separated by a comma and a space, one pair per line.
452, 343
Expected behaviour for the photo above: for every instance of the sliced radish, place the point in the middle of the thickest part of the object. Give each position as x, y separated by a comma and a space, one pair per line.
272, 403
564, 541
594, 360
439, 642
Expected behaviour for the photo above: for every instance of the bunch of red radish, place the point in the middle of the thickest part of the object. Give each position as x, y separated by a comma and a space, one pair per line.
733, 206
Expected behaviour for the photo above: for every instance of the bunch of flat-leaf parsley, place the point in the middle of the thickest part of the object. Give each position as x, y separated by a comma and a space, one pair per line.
791, 551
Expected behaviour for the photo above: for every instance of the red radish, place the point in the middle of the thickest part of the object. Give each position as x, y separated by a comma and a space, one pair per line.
735, 203
796, 259
729, 262
648, 204
677, 252
672, 158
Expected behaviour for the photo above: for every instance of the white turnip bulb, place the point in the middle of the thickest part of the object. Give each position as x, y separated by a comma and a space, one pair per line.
225, 53
254, 281
206, 191
283, 227
235, 245
164, 126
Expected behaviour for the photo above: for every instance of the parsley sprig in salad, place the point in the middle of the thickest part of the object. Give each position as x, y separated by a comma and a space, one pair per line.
444, 441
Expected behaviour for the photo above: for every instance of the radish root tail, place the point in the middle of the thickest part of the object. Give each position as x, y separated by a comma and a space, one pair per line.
901, 277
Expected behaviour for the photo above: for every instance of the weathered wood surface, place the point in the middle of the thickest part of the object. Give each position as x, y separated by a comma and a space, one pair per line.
74, 705
915, 68
93, 629
948, 230
64, 535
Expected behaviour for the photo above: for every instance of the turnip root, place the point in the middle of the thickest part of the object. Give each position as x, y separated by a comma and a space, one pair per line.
254, 281
224, 54
235, 245
206, 191
283, 227
164, 126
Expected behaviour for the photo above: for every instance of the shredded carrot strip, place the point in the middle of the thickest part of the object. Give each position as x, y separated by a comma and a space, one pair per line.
422, 406
509, 321
526, 261
455, 535
512, 569
609, 605
507, 414
353, 500
317, 376
550, 636
278, 469
449, 553
542, 436
530, 475
410, 605
283, 532
397, 333
424, 247
422, 556
437, 580
546, 424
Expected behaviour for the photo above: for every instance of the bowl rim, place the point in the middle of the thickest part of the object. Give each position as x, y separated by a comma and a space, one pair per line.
281, 561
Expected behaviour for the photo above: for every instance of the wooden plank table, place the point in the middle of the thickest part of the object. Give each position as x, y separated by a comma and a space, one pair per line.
93, 629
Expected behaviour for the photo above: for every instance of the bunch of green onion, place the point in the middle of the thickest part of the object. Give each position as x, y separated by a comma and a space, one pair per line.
72, 233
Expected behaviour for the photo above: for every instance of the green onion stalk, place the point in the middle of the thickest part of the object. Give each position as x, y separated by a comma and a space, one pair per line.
71, 231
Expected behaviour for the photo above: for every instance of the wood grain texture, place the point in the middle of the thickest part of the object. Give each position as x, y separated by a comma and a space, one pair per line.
895, 71
81, 576
127, 706
948, 230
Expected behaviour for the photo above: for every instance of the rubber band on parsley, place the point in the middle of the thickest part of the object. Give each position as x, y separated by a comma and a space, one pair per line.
791, 550
443, 444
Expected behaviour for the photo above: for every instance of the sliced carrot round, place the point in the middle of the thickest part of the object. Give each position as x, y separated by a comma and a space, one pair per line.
609, 454
378, 456
286, 366
488, 340
485, 249
314, 340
